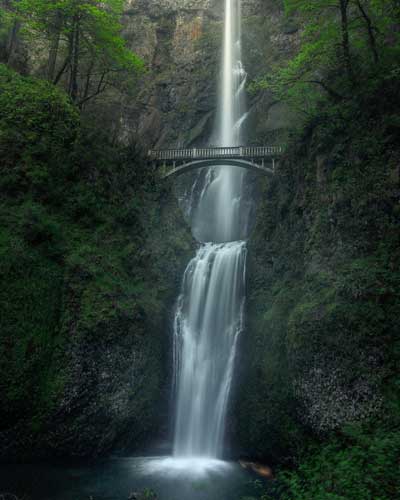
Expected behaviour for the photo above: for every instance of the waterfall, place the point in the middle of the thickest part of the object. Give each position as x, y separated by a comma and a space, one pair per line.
208, 320
221, 213
209, 314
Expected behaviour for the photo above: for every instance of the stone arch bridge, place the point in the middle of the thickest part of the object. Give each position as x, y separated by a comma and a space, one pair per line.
174, 162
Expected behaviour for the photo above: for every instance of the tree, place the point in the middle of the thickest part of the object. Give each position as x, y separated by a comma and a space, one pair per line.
371, 29
9, 26
344, 23
348, 46
85, 47
322, 15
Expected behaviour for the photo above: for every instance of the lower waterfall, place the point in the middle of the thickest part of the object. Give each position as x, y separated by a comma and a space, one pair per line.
208, 320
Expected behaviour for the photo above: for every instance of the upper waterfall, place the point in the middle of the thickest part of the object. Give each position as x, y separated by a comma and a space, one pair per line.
231, 99
208, 321
221, 213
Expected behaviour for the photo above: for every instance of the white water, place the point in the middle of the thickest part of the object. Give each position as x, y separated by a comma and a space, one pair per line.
209, 315
207, 324
221, 213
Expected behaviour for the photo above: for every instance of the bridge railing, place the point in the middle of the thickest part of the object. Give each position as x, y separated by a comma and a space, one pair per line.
210, 153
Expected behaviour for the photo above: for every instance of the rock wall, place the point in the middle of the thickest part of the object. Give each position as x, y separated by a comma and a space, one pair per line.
86, 359
319, 351
181, 43
92, 250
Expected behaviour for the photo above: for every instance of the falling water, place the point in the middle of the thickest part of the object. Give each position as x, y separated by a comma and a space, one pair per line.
208, 321
221, 213
209, 315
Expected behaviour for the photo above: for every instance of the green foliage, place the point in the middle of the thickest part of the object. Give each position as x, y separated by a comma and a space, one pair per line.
38, 126
148, 494
347, 46
29, 301
363, 463
324, 283
83, 39
89, 253
99, 22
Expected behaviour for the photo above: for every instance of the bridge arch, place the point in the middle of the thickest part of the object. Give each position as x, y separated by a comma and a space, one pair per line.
226, 162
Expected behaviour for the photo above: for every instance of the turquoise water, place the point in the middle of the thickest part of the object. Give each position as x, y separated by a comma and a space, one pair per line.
116, 479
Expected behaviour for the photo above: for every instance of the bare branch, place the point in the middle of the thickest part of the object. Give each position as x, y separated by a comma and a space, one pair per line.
335, 95
62, 69
101, 86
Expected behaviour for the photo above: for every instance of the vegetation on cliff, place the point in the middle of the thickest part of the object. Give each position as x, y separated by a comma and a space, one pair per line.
348, 48
75, 44
87, 275
324, 304
91, 247
323, 314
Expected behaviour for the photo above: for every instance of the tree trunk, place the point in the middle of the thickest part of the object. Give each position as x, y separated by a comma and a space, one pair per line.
12, 40
62, 69
88, 82
370, 30
74, 48
345, 38
54, 45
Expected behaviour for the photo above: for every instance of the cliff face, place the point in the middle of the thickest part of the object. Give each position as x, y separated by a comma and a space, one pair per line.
92, 250
319, 352
85, 363
88, 284
181, 43
174, 103
84, 348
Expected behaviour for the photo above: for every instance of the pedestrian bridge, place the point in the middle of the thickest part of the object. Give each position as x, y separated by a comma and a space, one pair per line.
175, 162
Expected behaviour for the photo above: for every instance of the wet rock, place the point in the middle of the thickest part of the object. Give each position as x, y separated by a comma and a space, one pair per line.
180, 41
259, 468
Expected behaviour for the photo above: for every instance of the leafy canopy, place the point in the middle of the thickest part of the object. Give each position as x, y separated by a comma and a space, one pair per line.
346, 45
85, 46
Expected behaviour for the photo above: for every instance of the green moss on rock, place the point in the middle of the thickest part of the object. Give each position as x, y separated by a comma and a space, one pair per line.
323, 304
92, 248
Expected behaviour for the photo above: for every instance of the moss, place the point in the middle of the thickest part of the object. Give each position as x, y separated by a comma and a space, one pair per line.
323, 302
360, 464
30, 302
92, 248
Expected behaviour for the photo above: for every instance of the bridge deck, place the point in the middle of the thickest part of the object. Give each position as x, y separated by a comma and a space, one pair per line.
215, 153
